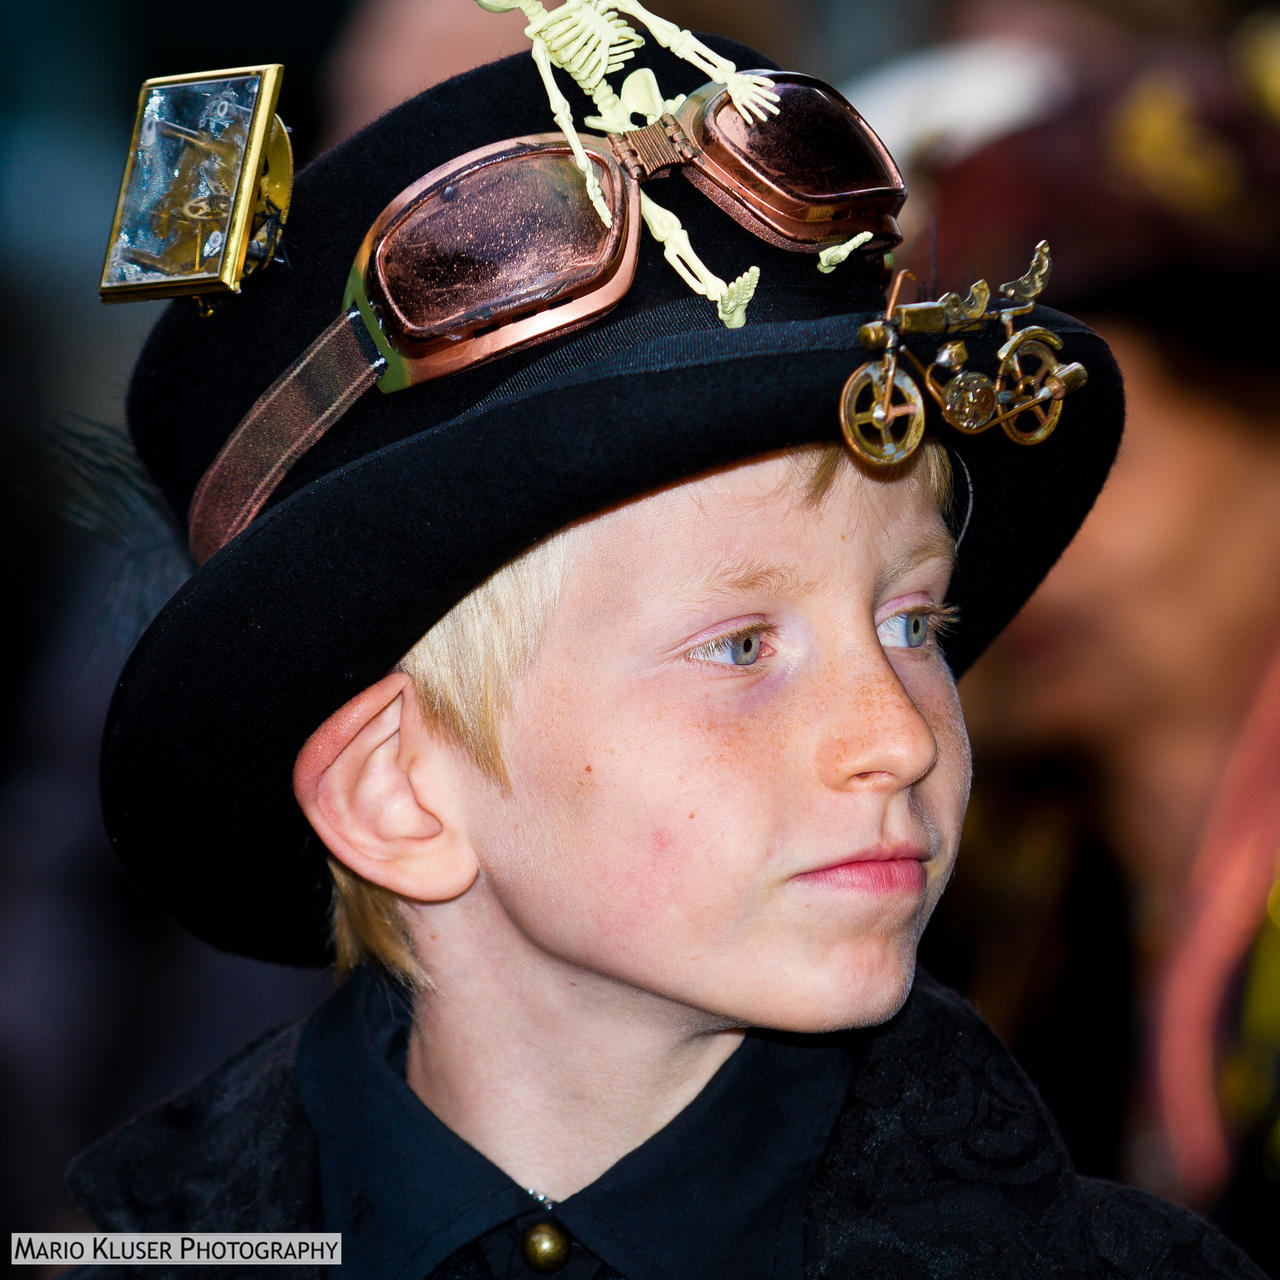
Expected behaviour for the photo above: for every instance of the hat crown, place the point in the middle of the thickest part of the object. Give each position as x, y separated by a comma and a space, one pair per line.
199, 375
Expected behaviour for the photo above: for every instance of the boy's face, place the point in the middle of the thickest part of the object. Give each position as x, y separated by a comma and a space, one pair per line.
736, 775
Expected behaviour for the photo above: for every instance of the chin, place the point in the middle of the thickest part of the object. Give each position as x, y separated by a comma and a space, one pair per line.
845, 1001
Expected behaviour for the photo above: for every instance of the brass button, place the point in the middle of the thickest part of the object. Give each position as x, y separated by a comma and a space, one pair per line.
545, 1247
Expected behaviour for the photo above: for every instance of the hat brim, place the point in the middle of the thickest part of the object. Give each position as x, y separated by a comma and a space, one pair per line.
323, 594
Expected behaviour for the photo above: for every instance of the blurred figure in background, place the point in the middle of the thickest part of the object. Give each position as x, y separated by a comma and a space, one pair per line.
1127, 725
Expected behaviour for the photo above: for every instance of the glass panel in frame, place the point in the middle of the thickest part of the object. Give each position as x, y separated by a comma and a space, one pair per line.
191, 183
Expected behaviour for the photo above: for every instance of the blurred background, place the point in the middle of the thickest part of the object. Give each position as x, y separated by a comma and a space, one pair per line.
1114, 912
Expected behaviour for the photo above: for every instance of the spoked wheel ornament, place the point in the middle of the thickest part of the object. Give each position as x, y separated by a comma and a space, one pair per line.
1025, 390
881, 413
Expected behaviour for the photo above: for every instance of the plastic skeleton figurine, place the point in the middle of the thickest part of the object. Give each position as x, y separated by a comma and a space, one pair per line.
589, 40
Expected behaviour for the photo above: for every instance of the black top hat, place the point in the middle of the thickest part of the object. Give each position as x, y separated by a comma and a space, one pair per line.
414, 498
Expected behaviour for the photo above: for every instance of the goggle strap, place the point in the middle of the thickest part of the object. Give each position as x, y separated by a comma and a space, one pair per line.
294, 412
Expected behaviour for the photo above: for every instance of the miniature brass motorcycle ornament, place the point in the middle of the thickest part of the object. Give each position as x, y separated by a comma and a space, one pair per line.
881, 405
206, 186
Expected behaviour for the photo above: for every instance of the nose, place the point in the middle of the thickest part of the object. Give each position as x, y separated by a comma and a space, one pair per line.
874, 734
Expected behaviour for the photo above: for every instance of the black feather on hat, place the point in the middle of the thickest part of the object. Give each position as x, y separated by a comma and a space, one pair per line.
414, 498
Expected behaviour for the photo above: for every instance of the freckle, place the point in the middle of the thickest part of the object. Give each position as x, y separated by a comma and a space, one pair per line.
586, 769
691, 815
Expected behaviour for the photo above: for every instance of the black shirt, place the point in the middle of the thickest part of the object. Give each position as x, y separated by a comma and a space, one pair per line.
720, 1191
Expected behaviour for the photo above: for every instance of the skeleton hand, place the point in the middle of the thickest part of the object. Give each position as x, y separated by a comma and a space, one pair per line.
731, 305
830, 258
753, 96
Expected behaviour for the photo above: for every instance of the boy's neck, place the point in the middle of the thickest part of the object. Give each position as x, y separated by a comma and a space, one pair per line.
555, 1085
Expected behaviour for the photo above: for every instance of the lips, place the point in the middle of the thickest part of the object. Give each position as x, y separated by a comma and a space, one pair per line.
884, 869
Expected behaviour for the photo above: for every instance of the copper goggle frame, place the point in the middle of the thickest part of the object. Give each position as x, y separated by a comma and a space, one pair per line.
694, 140
418, 353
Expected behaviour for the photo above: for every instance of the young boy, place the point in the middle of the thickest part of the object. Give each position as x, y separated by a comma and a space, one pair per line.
632, 848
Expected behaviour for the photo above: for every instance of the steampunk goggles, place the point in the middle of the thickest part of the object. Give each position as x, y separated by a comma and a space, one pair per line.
501, 248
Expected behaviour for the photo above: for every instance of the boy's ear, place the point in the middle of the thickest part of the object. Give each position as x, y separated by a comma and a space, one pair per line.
380, 787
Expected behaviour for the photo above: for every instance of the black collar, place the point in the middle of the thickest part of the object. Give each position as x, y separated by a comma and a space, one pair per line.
720, 1191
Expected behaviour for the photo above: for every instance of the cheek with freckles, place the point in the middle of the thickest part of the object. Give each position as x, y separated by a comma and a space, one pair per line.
949, 790
953, 742
615, 849
649, 868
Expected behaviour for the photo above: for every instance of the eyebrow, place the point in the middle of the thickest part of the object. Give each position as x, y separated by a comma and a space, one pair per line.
759, 577
937, 544
755, 577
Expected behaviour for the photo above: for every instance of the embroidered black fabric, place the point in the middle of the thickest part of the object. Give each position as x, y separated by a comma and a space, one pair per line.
235, 1153
954, 1168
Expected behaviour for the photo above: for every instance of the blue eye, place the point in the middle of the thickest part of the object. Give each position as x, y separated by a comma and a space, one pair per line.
911, 630
741, 649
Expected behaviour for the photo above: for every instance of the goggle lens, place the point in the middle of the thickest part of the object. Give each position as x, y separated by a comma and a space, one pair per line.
814, 174
816, 147
513, 233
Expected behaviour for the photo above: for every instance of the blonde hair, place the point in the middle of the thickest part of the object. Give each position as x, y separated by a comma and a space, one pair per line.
464, 671
468, 665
